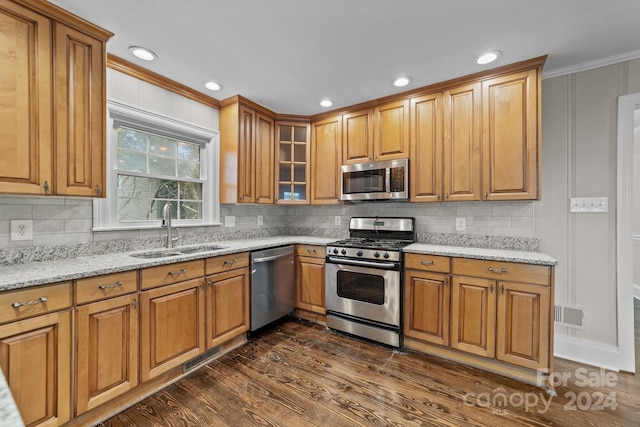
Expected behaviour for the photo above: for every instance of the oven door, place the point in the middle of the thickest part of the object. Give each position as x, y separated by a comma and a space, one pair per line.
367, 290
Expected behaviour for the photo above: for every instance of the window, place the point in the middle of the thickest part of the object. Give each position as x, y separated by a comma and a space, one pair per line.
154, 161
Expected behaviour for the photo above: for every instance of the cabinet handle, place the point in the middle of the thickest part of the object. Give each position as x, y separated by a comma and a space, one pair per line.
423, 262
115, 285
34, 302
486, 194
233, 261
310, 251
446, 281
491, 288
438, 196
46, 186
502, 289
135, 304
97, 190
174, 273
497, 270
446, 195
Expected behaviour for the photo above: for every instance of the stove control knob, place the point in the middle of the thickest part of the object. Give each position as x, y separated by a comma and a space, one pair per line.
377, 254
386, 255
343, 252
335, 250
359, 253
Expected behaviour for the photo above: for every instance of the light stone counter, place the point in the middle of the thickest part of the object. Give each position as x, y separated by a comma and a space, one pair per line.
482, 253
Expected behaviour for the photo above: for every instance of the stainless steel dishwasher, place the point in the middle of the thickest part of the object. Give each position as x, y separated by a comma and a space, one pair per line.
272, 285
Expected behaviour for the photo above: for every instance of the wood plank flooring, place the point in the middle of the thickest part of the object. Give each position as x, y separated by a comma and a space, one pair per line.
300, 374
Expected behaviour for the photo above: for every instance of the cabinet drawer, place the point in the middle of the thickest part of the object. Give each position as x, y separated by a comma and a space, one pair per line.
33, 301
172, 273
314, 251
502, 270
106, 286
435, 263
227, 262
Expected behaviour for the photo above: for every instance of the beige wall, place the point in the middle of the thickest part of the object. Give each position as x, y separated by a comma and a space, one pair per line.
579, 126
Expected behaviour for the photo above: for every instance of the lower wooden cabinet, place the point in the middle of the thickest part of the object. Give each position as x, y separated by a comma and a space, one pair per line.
310, 278
426, 306
227, 306
35, 357
106, 350
473, 315
171, 326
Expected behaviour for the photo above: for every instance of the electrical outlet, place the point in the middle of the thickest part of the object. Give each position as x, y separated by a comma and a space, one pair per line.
230, 221
461, 224
260, 220
21, 229
337, 220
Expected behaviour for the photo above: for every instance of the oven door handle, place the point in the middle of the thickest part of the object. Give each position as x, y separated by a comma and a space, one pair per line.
384, 265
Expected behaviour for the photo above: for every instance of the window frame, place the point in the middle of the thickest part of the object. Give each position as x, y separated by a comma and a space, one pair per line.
105, 215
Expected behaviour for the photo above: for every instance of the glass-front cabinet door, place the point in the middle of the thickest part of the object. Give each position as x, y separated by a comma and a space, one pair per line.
292, 171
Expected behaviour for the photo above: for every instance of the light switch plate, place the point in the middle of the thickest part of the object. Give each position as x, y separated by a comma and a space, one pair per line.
230, 221
21, 229
589, 204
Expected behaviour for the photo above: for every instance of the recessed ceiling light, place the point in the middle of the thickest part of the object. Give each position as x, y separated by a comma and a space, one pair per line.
402, 81
142, 53
213, 86
326, 103
488, 57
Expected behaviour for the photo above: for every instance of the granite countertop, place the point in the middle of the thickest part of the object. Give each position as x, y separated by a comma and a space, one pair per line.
510, 255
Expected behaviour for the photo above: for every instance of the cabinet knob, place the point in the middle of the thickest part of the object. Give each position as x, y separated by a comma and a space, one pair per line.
46, 186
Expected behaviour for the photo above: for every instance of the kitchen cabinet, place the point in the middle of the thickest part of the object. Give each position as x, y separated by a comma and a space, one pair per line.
53, 137
106, 338
462, 143
292, 162
376, 134
326, 159
503, 310
246, 153
227, 298
310, 278
35, 352
426, 298
511, 136
172, 326
426, 154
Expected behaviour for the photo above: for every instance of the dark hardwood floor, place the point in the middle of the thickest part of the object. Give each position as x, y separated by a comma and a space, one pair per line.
300, 374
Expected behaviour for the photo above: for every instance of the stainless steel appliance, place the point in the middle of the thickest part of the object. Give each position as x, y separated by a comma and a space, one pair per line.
364, 278
272, 285
382, 180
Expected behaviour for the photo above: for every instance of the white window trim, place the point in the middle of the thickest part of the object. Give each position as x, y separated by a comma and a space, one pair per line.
105, 216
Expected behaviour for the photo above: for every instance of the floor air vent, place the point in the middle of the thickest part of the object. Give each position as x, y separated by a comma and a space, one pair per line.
570, 316
200, 359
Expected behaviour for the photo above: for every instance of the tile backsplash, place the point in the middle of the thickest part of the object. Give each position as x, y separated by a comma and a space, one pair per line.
67, 221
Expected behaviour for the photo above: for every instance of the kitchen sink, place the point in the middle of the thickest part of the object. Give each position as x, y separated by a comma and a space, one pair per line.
177, 252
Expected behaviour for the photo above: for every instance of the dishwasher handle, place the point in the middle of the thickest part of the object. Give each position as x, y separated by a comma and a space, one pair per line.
269, 258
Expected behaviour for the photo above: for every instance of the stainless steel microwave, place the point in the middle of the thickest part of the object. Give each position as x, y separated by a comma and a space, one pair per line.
382, 180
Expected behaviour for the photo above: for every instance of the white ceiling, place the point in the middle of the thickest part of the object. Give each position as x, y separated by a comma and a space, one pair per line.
287, 55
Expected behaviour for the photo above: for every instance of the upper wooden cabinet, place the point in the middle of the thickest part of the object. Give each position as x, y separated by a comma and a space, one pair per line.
511, 136
292, 162
426, 161
246, 153
380, 133
326, 159
53, 67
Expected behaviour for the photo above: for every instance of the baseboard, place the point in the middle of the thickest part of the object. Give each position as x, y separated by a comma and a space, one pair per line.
587, 352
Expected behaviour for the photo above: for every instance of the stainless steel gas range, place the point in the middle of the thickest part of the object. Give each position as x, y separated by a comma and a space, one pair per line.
364, 278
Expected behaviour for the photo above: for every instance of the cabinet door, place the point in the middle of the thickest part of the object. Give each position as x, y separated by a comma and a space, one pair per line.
171, 326
227, 306
264, 160
326, 159
35, 357
462, 162
107, 350
357, 140
523, 324
246, 155
473, 315
25, 101
80, 113
426, 148
426, 306
510, 136
310, 278
292, 163
391, 134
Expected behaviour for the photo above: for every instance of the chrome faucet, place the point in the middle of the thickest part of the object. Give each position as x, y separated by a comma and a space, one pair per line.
166, 222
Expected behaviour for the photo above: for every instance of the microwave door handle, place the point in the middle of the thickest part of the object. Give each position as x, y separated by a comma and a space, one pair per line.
383, 265
387, 180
